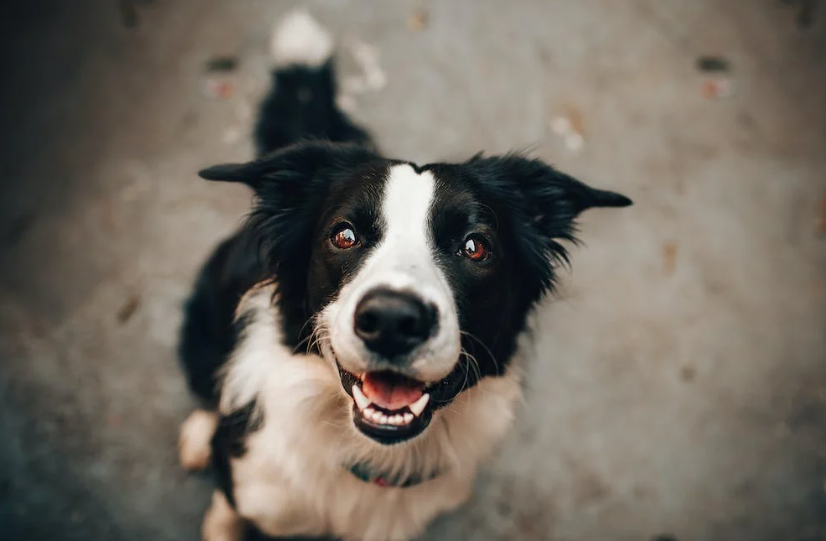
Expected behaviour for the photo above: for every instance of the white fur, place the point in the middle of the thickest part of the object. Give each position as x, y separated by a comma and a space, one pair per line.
259, 348
298, 39
221, 522
403, 261
293, 477
194, 442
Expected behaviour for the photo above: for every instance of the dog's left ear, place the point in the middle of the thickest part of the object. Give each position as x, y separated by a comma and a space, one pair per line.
543, 205
581, 196
555, 199
551, 195
546, 195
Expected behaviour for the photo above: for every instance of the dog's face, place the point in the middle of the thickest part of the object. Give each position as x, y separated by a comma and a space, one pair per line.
414, 282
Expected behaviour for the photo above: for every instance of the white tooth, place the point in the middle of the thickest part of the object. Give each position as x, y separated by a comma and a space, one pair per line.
399, 419
391, 420
418, 406
368, 412
407, 418
383, 419
361, 401
376, 417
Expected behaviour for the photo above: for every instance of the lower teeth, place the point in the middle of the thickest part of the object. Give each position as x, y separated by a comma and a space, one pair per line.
398, 419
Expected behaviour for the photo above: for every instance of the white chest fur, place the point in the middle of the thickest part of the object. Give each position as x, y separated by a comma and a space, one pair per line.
293, 477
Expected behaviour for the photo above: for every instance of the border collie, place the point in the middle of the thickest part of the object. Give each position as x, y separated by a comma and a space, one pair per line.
356, 344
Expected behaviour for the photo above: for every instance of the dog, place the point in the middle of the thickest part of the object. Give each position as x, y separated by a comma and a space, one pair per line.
358, 344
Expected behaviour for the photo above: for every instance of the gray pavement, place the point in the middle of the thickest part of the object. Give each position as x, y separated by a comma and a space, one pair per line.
680, 381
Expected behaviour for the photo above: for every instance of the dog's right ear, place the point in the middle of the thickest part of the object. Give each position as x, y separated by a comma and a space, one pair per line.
287, 168
290, 186
230, 172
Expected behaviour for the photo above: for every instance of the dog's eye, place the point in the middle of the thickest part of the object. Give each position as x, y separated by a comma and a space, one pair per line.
344, 237
475, 248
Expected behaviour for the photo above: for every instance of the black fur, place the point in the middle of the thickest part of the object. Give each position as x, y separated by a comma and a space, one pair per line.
303, 107
253, 534
208, 333
228, 442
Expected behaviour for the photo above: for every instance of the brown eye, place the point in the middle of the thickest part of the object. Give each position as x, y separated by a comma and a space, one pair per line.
475, 248
344, 237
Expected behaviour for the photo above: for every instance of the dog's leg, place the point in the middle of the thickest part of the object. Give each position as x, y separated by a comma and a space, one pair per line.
194, 442
221, 522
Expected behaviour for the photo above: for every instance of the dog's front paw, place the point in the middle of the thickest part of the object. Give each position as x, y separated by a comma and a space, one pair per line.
195, 439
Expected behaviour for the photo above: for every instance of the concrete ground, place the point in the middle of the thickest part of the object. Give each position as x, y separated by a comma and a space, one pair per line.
680, 381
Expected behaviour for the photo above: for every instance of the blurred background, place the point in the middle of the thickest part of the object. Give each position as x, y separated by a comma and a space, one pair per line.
679, 390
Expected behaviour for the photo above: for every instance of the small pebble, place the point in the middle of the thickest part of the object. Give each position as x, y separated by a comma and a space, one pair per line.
567, 129
221, 64
820, 225
216, 88
574, 141
128, 308
669, 257
560, 125
418, 20
717, 88
710, 64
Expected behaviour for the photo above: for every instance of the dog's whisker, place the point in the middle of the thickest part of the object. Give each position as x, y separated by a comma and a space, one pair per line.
487, 349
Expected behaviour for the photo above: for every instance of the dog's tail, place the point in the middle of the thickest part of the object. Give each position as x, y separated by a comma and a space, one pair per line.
301, 104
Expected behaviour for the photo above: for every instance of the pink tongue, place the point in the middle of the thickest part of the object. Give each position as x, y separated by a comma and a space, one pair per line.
390, 391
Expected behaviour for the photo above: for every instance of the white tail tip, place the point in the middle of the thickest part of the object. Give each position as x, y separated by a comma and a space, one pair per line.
297, 38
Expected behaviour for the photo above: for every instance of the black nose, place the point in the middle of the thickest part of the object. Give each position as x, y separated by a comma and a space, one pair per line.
392, 323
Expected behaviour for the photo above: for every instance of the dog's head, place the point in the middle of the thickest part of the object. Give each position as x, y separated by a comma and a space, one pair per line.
413, 282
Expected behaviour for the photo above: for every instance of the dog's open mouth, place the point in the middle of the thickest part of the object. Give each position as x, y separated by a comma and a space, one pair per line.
388, 407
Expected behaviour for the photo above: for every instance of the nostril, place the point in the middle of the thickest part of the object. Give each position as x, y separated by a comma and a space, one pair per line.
410, 325
367, 322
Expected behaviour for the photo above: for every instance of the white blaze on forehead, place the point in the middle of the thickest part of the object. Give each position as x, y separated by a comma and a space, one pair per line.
403, 258
408, 196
